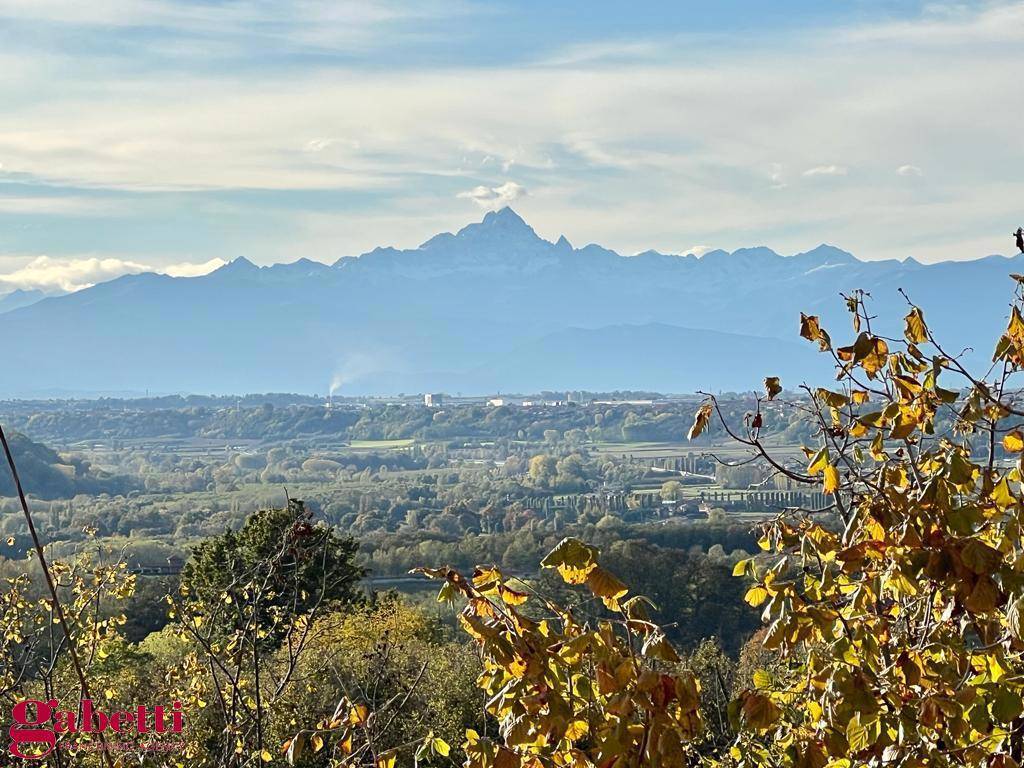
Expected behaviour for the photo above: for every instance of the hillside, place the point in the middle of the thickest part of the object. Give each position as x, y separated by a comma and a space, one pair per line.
490, 307
46, 474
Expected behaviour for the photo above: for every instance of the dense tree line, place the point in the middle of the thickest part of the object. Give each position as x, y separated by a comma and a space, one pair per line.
631, 423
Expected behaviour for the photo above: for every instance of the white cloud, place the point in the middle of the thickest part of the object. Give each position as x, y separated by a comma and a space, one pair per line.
909, 170
630, 152
826, 170
492, 198
698, 250
189, 269
73, 274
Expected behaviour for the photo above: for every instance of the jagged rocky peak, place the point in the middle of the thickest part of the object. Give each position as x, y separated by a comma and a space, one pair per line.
504, 224
502, 241
236, 266
504, 217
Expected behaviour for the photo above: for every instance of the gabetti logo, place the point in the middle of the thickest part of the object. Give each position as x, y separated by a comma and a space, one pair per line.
37, 724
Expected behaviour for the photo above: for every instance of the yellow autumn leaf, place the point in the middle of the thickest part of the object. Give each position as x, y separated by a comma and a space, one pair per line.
1002, 496
573, 559
818, 463
857, 735
755, 596
657, 646
876, 357
831, 399
831, 480
577, 730
701, 419
484, 578
914, 328
810, 329
759, 711
1014, 441
762, 679
510, 596
604, 585
877, 448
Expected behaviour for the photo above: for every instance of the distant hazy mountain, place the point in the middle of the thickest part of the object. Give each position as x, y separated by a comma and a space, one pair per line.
19, 298
491, 307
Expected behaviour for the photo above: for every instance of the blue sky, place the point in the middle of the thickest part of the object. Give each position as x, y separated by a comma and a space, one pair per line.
172, 134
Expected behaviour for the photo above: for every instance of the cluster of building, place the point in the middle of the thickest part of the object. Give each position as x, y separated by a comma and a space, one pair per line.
436, 400
441, 399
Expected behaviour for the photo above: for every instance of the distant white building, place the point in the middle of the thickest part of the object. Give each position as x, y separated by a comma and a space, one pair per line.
498, 402
433, 400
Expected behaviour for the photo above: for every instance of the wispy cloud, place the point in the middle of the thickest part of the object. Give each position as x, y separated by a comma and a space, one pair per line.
909, 170
698, 250
319, 145
597, 155
73, 274
950, 23
656, 149
826, 170
305, 23
492, 198
609, 52
60, 206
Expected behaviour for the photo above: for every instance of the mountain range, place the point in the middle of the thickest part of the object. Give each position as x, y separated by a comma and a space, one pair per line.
493, 307
19, 298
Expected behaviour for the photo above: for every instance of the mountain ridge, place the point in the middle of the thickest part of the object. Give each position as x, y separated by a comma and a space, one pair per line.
464, 309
